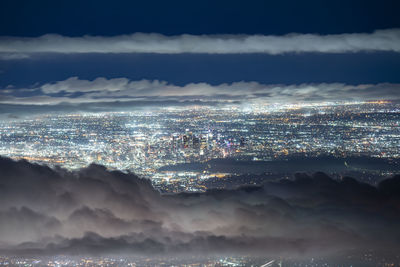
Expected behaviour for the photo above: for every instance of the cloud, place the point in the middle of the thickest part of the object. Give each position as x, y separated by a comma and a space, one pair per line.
13, 56
94, 211
379, 40
76, 91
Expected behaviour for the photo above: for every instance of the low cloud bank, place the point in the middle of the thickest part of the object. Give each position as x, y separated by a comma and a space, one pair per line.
118, 91
94, 211
379, 40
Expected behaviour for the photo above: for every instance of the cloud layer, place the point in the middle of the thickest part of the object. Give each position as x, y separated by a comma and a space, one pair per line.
95, 211
101, 90
379, 40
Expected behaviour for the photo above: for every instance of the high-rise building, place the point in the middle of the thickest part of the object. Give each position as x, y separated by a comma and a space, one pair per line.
185, 140
242, 141
196, 142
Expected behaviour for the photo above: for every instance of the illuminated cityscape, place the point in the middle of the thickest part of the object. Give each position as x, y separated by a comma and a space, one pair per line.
145, 141
367, 259
199, 133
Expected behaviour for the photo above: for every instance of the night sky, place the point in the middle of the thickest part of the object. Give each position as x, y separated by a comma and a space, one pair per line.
77, 18
287, 44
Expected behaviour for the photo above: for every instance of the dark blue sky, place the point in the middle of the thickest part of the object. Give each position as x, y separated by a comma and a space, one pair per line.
112, 18
214, 69
172, 17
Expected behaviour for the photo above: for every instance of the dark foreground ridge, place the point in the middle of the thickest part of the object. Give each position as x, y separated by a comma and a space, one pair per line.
94, 211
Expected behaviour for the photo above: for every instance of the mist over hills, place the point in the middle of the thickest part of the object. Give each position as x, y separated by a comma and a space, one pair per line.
291, 164
93, 211
233, 172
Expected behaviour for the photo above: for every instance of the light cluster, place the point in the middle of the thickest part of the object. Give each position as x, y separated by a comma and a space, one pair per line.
144, 141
